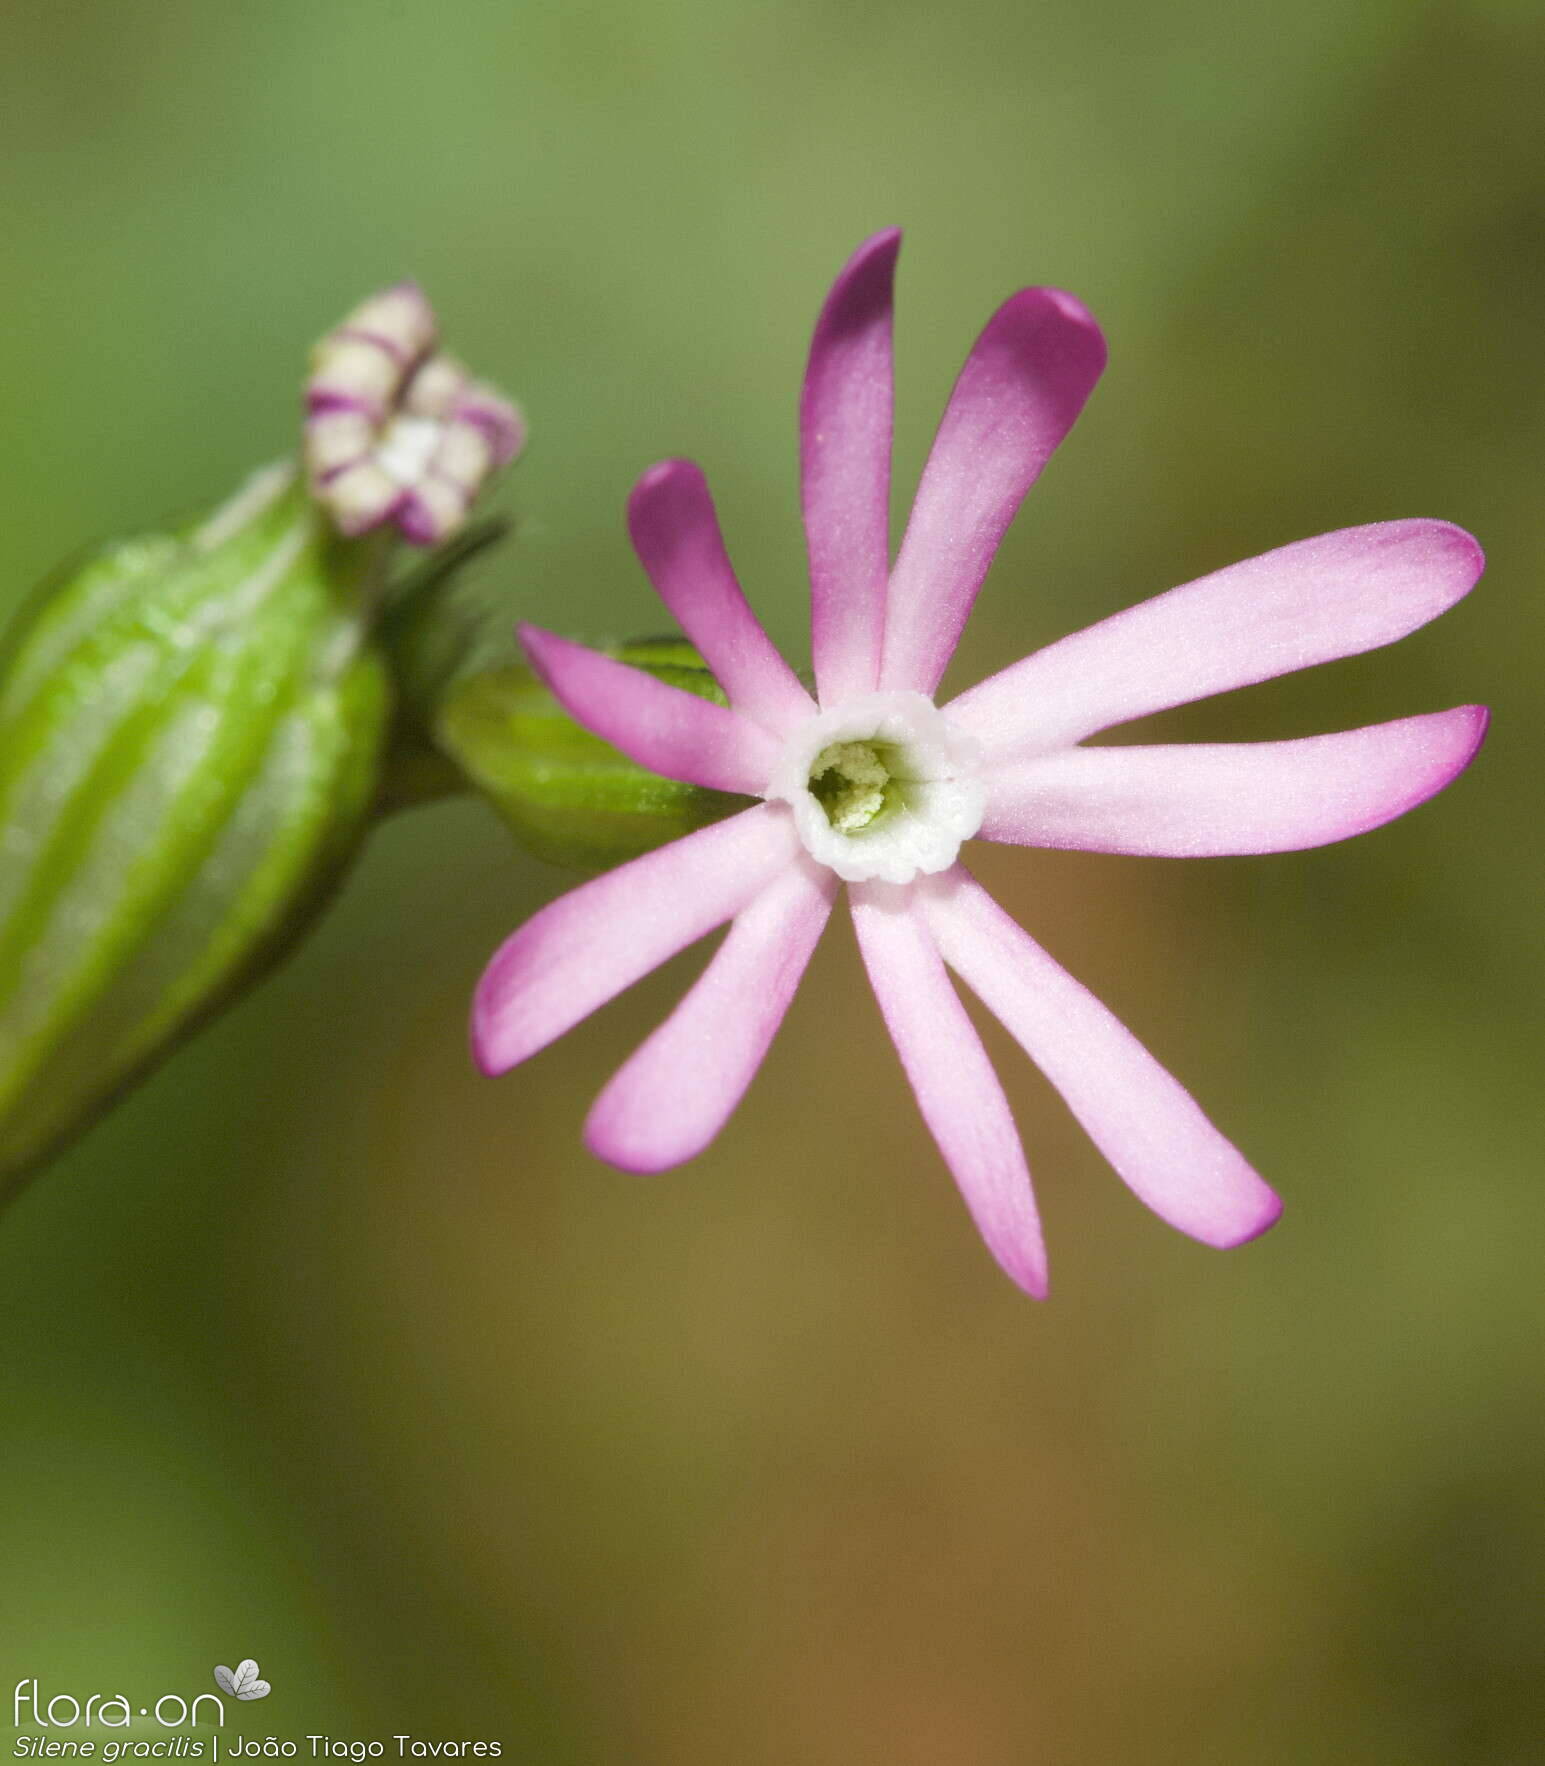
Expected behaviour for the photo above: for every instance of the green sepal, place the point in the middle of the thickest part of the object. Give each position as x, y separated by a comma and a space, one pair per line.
568, 796
191, 728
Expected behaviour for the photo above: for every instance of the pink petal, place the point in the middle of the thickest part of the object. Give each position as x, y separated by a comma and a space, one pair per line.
664, 728
845, 463
587, 946
1136, 1114
1199, 800
1018, 395
1336, 595
680, 1088
676, 534
947, 1067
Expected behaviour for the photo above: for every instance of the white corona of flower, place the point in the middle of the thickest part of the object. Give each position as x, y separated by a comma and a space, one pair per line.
883, 788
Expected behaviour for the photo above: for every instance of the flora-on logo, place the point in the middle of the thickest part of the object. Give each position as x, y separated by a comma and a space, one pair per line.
244, 1682
63, 1710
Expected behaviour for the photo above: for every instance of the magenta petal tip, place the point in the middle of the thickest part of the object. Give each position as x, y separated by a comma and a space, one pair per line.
1031, 1279
1083, 341
483, 1059
1459, 735
1457, 545
1265, 1217
663, 476
489, 1055
604, 1142
541, 647
884, 244
1068, 305
1475, 721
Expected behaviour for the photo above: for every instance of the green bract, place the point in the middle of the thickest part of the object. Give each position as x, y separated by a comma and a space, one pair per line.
190, 734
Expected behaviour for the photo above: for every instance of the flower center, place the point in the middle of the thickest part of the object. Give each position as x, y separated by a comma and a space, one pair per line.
854, 784
883, 787
407, 445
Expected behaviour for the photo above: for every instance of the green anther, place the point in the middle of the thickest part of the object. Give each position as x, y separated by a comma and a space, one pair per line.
852, 783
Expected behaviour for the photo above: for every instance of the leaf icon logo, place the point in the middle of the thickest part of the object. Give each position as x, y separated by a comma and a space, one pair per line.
244, 1683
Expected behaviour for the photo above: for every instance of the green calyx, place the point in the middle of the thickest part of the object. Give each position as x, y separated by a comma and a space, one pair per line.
568, 796
197, 729
191, 727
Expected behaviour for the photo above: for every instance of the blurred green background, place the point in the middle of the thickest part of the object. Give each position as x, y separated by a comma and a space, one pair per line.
323, 1350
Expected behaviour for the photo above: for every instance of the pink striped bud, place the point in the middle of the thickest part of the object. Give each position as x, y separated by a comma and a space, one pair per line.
396, 430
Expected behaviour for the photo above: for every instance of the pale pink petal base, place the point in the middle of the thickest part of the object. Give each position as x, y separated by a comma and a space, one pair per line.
957, 1090
1336, 595
587, 946
1140, 1118
663, 728
1204, 800
677, 1091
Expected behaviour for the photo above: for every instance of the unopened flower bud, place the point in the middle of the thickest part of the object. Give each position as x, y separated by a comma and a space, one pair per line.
473, 715
190, 736
568, 796
397, 431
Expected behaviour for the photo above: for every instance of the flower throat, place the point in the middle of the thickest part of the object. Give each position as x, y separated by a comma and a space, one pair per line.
856, 784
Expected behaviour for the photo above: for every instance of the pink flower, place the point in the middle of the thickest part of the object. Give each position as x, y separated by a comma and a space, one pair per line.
872, 784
